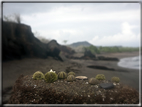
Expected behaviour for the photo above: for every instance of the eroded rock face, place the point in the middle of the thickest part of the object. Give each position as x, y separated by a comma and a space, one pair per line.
18, 42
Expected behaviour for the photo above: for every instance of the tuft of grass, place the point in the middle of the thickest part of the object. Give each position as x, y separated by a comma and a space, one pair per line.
100, 77
115, 79
38, 75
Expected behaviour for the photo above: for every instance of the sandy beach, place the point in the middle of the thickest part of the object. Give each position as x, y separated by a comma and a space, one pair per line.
11, 70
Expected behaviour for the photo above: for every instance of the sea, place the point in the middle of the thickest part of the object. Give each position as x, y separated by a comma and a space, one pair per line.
130, 62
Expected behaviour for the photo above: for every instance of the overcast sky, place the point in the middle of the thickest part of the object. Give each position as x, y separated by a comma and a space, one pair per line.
102, 24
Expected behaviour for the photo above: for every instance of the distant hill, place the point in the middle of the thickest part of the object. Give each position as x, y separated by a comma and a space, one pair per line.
82, 43
79, 46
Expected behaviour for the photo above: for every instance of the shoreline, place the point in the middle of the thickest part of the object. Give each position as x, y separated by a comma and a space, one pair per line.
130, 64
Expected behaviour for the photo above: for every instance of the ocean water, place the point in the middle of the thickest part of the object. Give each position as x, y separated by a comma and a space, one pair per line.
130, 62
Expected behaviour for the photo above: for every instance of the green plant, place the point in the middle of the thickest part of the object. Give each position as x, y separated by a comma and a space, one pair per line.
93, 81
62, 75
115, 79
100, 77
51, 77
71, 73
71, 78
38, 75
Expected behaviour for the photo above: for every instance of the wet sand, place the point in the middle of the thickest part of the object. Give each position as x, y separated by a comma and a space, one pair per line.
11, 70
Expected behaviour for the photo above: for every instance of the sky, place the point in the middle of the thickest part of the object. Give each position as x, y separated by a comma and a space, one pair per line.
101, 24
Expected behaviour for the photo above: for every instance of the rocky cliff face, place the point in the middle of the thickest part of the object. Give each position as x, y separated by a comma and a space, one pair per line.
18, 42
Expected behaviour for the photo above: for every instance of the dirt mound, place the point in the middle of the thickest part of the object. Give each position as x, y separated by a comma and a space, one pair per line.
29, 91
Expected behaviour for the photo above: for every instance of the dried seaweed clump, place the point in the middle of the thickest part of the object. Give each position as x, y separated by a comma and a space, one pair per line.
115, 79
71, 78
51, 77
93, 81
71, 73
62, 75
100, 77
38, 75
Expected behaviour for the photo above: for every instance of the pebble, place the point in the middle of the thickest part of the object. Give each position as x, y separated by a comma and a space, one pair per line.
96, 86
88, 95
114, 83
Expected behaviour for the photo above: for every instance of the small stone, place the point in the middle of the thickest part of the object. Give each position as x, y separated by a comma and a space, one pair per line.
107, 85
86, 83
96, 86
88, 95
81, 77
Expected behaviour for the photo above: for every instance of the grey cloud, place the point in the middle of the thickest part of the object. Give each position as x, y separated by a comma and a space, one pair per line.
28, 8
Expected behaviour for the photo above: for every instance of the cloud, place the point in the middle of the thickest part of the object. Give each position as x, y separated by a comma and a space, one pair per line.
126, 38
81, 21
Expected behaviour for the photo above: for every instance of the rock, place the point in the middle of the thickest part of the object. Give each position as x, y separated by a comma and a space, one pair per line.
88, 55
81, 77
100, 67
107, 58
107, 85
19, 42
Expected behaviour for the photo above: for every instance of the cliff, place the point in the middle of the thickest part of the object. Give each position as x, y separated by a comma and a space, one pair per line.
19, 42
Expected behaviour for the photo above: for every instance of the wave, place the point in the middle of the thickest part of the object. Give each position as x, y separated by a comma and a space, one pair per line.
130, 62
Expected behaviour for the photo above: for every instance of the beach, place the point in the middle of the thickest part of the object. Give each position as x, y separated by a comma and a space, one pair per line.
11, 70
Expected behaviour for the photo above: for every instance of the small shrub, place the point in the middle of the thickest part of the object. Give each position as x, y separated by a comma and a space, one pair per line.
51, 77
71, 73
93, 81
38, 75
71, 78
115, 79
62, 75
100, 77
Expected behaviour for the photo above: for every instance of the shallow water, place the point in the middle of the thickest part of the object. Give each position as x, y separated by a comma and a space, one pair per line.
130, 62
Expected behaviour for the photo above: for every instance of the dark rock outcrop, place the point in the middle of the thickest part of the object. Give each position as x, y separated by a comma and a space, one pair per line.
107, 58
19, 42
88, 55
100, 67
66, 50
